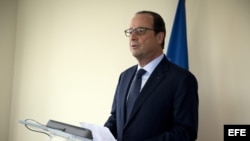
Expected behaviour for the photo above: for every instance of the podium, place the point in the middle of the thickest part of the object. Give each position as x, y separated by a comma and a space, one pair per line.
64, 130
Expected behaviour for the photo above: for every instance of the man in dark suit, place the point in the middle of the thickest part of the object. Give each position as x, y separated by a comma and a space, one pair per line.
166, 108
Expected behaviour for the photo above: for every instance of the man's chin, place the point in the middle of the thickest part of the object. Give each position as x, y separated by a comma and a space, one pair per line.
137, 56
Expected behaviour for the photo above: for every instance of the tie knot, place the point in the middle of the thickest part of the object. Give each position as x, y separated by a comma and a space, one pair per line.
140, 72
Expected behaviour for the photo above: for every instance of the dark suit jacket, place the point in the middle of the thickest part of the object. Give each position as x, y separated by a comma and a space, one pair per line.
166, 109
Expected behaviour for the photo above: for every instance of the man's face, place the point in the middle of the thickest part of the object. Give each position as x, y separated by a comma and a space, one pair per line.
147, 45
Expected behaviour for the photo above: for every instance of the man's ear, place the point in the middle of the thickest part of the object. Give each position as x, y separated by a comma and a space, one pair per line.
160, 37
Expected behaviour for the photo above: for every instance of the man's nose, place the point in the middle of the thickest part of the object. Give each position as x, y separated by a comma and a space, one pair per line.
133, 36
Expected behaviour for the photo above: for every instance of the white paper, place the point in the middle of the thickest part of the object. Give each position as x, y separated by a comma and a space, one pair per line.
100, 133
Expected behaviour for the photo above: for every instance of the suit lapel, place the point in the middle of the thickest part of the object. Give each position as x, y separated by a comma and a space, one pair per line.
154, 80
128, 77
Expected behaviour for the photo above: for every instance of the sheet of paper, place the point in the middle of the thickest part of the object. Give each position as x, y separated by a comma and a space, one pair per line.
100, 133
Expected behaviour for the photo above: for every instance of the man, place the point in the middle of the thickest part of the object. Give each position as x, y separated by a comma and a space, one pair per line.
166, 108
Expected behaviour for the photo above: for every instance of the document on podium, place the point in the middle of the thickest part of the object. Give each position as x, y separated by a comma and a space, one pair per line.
100, 133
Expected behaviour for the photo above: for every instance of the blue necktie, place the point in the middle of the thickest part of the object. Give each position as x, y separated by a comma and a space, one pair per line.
134, 92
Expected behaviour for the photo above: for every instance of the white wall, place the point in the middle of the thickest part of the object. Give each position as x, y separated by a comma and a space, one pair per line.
69, 54
7, 44
219, 41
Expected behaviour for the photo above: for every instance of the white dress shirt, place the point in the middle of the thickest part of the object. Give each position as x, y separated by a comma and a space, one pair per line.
150, 67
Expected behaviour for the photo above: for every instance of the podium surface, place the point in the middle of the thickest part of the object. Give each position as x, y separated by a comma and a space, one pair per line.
67, 131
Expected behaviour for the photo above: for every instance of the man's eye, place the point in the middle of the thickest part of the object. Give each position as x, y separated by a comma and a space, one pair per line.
130, 30
140, 30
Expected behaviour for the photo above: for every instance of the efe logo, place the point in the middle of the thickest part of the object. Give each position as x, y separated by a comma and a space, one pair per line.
236, 132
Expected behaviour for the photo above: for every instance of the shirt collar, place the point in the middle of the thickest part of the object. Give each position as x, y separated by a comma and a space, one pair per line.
152, 65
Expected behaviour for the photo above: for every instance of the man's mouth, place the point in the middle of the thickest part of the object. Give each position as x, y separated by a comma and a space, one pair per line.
134, 45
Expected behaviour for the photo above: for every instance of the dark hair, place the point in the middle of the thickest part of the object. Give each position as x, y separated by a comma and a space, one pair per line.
158, 25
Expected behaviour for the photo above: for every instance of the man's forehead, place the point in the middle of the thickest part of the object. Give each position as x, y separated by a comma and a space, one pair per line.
143, 20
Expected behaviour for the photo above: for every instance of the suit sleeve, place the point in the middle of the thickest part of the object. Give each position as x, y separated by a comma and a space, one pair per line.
111, 123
